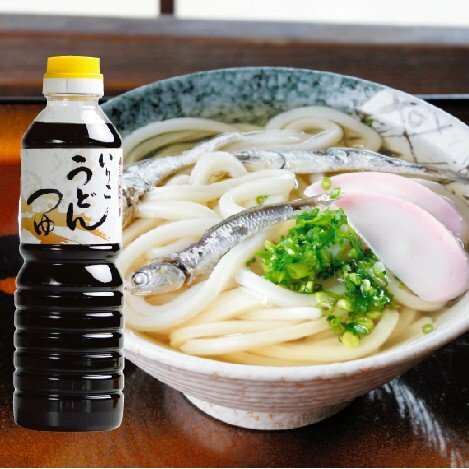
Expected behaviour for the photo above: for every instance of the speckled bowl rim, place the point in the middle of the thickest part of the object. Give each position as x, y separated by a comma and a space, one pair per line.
148, 87
410, 352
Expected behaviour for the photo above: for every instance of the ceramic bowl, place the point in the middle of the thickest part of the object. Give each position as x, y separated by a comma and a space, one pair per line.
289, 397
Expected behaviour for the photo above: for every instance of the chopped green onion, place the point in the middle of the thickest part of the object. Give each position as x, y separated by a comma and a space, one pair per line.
251, 261
365, 322
379, 267
352, 254
349, 339
427, 328
260, 199
298, 270
334, 322
374, 314
344, 304
335, 193
321, 246
269, 245
324, 300
326, 183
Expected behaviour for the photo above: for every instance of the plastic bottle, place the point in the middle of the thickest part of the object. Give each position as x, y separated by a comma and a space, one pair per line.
68, 337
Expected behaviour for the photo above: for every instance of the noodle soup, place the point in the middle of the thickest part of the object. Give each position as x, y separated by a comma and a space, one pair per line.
243, 310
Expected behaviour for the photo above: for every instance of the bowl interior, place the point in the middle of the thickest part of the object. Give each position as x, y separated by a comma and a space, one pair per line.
409, 126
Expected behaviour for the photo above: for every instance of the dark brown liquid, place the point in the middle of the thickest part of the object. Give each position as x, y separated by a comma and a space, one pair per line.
68, 338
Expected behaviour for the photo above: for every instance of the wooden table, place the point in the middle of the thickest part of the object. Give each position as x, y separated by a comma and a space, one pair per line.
419, 419
135, 52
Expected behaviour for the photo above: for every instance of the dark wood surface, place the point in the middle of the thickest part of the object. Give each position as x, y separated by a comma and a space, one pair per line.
135, 52
167, 7
418, 420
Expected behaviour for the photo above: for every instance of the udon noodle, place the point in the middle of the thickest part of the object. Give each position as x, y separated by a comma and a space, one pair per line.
234, 314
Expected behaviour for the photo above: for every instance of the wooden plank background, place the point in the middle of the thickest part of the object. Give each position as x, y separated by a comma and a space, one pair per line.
135, 52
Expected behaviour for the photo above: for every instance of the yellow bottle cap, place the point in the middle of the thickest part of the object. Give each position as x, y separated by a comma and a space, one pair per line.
73, 66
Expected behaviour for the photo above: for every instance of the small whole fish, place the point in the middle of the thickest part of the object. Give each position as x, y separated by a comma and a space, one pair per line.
140, 177
171, 273
341, 159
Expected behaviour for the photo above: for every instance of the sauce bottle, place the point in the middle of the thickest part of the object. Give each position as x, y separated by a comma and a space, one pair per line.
68, 320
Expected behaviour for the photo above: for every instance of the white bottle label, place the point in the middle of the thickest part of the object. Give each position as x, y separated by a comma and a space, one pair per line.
70, 196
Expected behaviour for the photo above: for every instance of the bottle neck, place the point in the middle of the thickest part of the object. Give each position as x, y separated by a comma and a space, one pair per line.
73, 108
72, 99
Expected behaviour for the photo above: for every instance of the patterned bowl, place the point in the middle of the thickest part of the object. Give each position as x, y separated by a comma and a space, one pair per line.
288, 397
